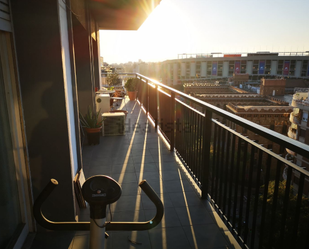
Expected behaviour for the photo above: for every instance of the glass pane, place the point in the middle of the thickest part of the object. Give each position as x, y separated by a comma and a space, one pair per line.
10, 216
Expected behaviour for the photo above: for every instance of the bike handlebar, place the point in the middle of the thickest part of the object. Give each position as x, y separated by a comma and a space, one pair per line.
110, 226
135, 226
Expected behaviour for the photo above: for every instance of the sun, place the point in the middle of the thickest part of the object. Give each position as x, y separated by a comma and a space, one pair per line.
166, 31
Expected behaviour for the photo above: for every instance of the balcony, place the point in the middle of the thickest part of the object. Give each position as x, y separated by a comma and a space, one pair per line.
302, 104
292, 133
144, 154
294, 118
220, 189
291, 152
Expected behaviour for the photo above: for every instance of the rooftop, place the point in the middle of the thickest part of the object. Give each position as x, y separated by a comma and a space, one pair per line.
240, 54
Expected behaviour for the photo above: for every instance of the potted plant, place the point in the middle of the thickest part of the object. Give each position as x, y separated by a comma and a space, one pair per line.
131, 86
92, 124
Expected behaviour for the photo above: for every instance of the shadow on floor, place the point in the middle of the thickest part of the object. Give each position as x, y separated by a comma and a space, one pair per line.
188, 221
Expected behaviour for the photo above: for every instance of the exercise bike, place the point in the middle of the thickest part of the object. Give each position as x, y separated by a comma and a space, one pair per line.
99, 191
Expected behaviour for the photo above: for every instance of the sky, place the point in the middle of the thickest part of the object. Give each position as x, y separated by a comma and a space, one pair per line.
205, 26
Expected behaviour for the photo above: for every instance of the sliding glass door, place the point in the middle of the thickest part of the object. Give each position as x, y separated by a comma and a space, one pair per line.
15, 197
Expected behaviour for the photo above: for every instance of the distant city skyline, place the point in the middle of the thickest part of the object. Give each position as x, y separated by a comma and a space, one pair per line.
202, 26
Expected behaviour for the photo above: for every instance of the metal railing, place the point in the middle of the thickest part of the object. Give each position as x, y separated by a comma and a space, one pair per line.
259, 193
122, 77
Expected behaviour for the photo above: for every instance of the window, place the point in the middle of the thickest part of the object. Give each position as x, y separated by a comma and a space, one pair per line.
302, 133
13, 165
305, 117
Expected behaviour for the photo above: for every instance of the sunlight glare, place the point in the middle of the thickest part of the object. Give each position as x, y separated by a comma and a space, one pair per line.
125, 163
165, 22
176, 27
188, 210
164, 245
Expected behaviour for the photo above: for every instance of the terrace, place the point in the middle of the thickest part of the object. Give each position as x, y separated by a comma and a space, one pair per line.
143, 154
219, 188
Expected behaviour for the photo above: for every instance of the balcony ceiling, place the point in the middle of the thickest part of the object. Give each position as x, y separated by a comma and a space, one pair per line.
121, 14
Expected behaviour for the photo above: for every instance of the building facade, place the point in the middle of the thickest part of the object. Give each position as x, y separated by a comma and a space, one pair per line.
299, 128
274, 117
222, 66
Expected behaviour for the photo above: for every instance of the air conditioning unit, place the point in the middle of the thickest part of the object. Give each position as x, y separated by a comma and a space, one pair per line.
102, 102
113, 124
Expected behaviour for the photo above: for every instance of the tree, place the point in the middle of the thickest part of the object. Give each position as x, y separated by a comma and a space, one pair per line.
113, 79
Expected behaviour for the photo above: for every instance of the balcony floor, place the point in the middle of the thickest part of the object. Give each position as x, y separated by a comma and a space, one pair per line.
188, 221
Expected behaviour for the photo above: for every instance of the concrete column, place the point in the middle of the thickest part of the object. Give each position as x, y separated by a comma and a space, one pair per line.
192, 69
298, 68
175, 74
169, 74
249, 67
183, 69
274, 65
203, 69
225, 71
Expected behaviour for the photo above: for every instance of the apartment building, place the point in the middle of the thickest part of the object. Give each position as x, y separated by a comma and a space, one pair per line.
298, 129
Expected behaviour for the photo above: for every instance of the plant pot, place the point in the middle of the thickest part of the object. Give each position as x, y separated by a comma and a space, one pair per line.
132, 95
93, 135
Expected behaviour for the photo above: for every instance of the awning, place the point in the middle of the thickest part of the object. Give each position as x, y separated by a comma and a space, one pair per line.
121, 14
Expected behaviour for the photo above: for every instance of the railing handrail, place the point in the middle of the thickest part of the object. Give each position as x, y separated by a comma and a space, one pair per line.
119, 73
260, 147
276, 137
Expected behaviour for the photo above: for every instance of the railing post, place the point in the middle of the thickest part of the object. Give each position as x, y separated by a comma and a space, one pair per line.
157, 108
147, 97
172, 145
206, 152
139, 93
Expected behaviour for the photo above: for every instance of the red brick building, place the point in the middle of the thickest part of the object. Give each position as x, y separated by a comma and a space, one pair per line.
272, 115
272, 87
240, 78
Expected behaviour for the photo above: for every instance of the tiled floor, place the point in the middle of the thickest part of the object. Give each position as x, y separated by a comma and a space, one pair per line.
188, 221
